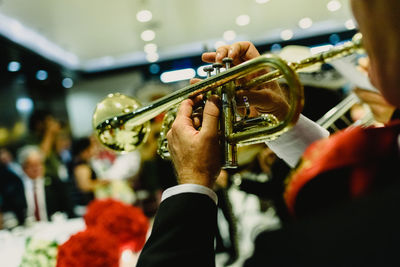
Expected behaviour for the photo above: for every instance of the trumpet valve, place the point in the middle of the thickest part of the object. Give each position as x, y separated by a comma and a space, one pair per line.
208, 70
227, 61
217, 67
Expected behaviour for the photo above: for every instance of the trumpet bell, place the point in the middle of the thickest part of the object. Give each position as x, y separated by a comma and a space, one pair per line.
115, 132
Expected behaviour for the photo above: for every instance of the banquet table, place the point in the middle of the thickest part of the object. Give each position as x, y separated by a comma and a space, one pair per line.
13, 242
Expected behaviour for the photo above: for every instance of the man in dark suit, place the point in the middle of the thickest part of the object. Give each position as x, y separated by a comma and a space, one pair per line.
10, 188
358, 226
33, 195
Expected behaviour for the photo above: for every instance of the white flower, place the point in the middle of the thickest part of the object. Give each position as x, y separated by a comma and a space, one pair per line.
39, 252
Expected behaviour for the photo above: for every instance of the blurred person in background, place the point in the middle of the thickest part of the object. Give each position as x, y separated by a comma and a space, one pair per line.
52, 137
36, 196
382, 111
120, 169
155, 174
7, 159
10, 186
84, 178
62, 151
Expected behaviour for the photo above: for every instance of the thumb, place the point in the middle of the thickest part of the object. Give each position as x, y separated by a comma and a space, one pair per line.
210, 117
183, 117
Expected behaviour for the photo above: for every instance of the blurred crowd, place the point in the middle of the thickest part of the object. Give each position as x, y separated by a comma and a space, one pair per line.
50, 174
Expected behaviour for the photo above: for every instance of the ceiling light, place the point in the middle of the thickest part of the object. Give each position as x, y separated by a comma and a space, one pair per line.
334, 5
229, 35
305, 23
286, 35
14, 66
148, 35
41, 75
262, 1
177, 75
243, 20
152, 57
144, 15
154, 68
67, 83
349, 24
24, 104
150, 48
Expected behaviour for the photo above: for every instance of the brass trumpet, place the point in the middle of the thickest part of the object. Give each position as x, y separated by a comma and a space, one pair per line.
122, 124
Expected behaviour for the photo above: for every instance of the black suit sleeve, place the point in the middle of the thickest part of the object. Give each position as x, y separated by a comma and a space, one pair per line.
183, 233
13, 194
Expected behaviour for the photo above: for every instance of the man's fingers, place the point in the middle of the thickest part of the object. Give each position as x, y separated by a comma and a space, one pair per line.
369, 96
239, 52
184, 114
264, 101
221, 53
208, 57
242, 51
210, 117
212, 57
255, 98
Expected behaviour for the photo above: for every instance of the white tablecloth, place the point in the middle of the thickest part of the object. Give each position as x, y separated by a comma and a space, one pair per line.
12, 243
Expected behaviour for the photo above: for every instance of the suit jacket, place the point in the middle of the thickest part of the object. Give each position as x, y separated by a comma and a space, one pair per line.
12, 193
363, 232
14, 200
183, 233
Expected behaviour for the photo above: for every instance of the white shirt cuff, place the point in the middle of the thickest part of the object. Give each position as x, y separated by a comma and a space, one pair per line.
291, 145
189, 188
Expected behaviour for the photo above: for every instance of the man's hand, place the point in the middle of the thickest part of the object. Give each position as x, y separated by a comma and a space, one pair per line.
239, 52
196, 153
380, 108
266, 98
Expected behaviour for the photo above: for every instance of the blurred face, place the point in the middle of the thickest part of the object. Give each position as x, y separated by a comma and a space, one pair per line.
89, 152
63, 141
378, 21
5, 156
34, 166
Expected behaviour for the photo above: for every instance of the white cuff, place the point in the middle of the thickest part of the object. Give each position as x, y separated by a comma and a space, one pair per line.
189, 188
291, 145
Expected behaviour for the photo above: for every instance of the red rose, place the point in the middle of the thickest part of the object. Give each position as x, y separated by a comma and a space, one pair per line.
126, 223
89, 248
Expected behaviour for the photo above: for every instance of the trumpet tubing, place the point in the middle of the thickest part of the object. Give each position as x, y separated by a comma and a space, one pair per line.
122, 124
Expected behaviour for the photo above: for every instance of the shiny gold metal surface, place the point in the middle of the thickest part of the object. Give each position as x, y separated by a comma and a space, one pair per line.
122, 124
118, 134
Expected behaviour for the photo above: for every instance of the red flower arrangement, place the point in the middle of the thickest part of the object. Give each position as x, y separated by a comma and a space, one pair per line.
111, 227
89, 248
125, 222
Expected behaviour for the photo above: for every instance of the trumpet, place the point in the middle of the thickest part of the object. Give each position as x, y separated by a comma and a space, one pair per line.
122, 124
